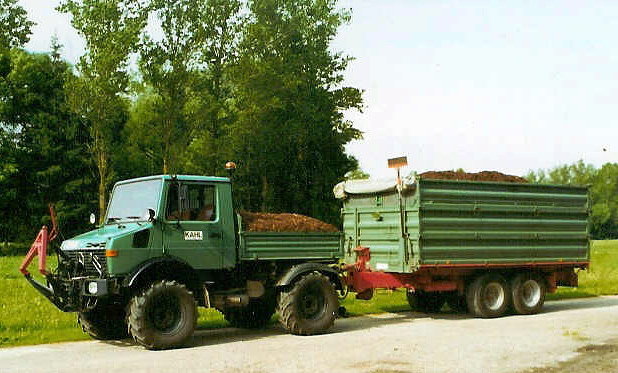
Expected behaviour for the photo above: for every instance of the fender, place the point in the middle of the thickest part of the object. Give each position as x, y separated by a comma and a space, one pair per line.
145, 266
299, 270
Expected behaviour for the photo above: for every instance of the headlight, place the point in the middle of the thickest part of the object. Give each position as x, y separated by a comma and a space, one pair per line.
92, 287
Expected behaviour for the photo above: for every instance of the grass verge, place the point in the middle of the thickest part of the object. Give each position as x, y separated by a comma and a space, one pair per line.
26, 317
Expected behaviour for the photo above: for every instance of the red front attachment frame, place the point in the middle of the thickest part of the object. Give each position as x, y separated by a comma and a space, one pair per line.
39, 247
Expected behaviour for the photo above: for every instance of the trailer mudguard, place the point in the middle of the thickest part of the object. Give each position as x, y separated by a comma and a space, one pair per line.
297, 271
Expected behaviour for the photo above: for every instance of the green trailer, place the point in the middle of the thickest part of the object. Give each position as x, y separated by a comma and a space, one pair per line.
460, 241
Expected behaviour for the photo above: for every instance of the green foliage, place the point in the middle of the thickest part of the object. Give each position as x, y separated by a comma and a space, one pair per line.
111, 30
42, 149
357, 174
290, 135
254, 82
603, 184
15, 28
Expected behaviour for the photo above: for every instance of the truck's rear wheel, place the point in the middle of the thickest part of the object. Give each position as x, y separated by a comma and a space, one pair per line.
255, 315
105, 322
425, 302
162, 316
310, 306
528, 293
488, 296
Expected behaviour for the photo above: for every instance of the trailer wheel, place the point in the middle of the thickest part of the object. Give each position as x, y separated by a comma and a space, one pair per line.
162, 316
310, 306
425, 302
528, 293
105, 322
488, 296
255, 315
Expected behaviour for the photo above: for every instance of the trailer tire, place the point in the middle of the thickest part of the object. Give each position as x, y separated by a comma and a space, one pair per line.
105, 322
162, 316
488, 296
425, 302
528, 293
255, 315
309, 306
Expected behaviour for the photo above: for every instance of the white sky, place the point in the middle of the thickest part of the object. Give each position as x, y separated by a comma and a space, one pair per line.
482, 85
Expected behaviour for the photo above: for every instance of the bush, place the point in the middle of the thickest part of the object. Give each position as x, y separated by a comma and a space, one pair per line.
14, 248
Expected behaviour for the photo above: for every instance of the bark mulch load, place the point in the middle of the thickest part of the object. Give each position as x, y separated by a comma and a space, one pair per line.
473, 176
268, 222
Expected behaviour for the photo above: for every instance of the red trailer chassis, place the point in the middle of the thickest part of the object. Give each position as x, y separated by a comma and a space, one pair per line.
447, 277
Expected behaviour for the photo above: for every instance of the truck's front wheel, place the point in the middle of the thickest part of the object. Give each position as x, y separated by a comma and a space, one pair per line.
310, 306
105, 322
162, 316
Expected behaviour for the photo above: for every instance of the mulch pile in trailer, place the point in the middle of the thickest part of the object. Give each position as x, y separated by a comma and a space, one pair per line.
473, 176
268, 222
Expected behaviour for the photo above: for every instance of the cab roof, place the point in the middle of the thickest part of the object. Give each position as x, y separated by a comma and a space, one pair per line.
179, 177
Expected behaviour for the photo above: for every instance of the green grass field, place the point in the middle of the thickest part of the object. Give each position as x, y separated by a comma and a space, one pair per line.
26, 317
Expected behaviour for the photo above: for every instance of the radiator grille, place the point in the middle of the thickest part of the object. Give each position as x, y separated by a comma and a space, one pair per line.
91, 262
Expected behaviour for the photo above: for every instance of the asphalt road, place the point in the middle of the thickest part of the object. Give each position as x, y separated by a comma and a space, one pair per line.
575, 333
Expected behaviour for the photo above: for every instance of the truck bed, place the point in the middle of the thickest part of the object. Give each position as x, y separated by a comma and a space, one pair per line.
290, 246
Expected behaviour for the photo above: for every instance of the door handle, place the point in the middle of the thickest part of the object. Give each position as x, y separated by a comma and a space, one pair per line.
214, 235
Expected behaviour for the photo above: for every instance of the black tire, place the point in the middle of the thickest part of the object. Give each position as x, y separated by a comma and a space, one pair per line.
457, 303
425, 302
105, 322
488, 296
528, 293
255, 315
162, 316
310, 306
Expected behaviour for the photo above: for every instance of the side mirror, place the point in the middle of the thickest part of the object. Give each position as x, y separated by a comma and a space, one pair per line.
93, 218
151, 215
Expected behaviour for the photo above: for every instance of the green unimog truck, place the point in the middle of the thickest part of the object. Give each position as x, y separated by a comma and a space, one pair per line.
170, 244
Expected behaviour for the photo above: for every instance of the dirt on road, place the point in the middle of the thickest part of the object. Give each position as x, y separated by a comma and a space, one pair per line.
601, 358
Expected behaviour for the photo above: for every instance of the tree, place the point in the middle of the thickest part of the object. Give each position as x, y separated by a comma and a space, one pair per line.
42, 153
357, 174
212, 105
15, 28
291, 130
168, 67
111, 30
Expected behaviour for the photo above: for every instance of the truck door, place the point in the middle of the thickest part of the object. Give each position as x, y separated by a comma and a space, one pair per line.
193, 229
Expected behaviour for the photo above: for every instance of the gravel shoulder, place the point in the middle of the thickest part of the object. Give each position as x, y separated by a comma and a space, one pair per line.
571, 335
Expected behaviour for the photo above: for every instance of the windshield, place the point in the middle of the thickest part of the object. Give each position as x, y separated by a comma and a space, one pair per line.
132, 201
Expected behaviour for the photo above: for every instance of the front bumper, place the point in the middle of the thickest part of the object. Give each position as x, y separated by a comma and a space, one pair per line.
75, 294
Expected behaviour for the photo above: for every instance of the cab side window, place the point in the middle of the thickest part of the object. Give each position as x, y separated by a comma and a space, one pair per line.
197, 203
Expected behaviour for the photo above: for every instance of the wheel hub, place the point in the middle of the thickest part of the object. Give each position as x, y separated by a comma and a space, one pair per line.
312, 303
494, 296
531, 293
165, 314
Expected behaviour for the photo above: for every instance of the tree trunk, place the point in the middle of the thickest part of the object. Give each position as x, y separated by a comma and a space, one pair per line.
265, 194
102, 200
